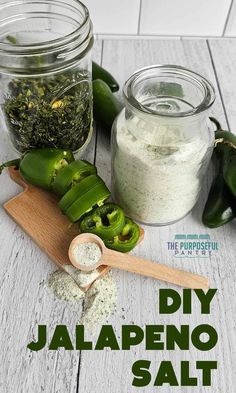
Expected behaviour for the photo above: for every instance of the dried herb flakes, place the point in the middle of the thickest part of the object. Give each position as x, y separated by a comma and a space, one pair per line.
53, 111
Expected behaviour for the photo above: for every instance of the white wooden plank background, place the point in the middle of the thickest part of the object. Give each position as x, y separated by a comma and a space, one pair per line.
224, 55
23, 269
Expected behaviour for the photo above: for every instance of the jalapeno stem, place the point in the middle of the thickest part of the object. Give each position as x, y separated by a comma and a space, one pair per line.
7, 164
216, 122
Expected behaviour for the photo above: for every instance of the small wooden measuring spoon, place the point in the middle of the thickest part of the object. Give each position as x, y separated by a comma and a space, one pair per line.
134, 264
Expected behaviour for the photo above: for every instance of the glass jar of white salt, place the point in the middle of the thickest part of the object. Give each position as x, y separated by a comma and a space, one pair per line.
162, 143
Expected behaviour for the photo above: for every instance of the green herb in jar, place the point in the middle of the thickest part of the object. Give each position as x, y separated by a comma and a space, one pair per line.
50, 112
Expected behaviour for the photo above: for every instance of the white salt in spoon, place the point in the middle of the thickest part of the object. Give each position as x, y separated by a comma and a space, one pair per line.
87, 252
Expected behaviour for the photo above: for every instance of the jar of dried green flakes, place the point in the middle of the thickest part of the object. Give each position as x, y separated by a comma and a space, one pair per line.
45, 66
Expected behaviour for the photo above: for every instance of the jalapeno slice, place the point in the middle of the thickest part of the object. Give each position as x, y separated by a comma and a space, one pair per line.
72, 174
105, 221
85, 195
127, 239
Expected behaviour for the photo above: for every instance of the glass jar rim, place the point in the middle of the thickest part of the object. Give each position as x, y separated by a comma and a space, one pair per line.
157, 69
40, 48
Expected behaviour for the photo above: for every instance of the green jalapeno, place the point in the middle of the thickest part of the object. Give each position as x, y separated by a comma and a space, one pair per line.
72, 174
226, 151
99, 72
229, 171
40, 166
105, 221
127, 239
106, 106
225, 137
224, 142
220, 207
81, 198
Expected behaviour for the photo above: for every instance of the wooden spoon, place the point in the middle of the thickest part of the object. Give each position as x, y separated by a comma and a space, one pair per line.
135, 264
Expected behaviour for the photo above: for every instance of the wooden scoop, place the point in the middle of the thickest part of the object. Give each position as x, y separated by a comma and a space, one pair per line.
135, 264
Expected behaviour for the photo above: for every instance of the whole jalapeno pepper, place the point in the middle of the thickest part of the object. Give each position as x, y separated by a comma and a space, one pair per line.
127, 239
81, 198
226, 151
220, 207
71, 175
99, 72
106, 106
229, 171
105, 221
40, 166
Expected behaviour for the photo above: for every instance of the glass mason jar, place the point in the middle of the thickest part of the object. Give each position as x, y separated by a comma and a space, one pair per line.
162, 143
45, 67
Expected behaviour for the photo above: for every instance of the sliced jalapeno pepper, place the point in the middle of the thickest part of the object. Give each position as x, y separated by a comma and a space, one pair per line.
81, 198
40, 166
105, 221
220, 207
72, 174
127, 239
